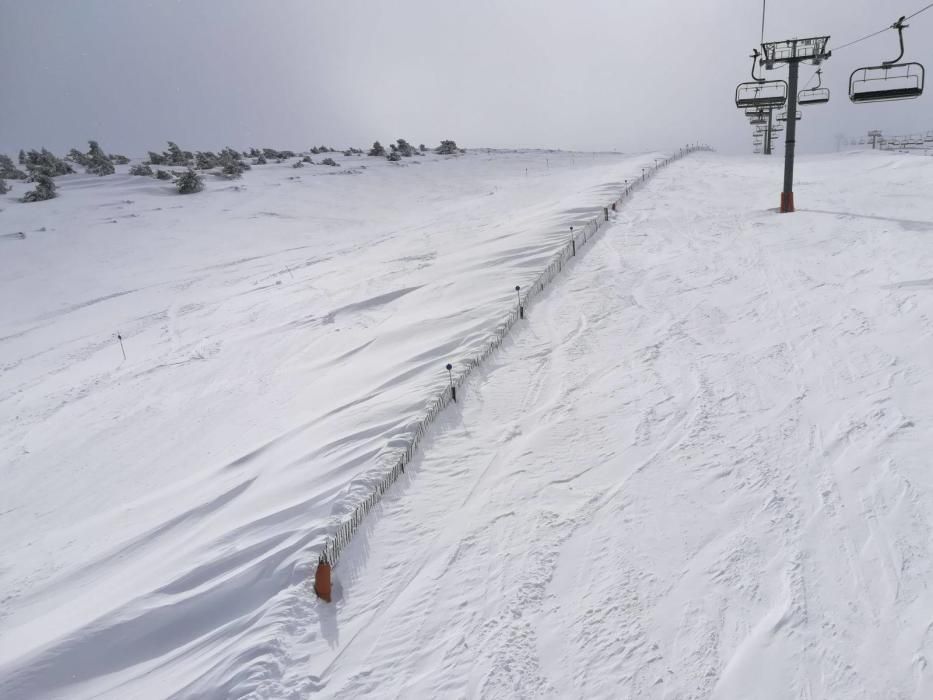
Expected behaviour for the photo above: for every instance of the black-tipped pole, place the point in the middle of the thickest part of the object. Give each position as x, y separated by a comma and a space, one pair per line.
573, 243
518, 297
450, 376
122, 349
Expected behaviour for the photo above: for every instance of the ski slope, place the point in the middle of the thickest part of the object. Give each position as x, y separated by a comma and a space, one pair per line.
699, 468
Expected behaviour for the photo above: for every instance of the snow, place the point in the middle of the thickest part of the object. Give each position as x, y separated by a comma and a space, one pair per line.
699, 468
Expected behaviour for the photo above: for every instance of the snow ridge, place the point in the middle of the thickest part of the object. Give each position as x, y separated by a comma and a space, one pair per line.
336, 543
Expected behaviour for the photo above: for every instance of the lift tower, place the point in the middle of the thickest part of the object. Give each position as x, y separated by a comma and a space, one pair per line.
793, 52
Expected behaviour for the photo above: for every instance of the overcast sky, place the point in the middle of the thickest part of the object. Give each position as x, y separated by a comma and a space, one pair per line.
585, 74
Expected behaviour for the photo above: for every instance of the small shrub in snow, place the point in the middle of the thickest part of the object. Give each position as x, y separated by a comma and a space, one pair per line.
189, 182
422, 148
314, 150
8, 171
377, 149
231, 166
394, 156
404, 148
329, 161
298, 164
4, 188
97, 161
260, 160
272, 154
205, 160
307, 159
156, 158
175, 156
117, 159
76, 156
447, 148
45, 187
141, 169
22, 157
47, 163
163, 175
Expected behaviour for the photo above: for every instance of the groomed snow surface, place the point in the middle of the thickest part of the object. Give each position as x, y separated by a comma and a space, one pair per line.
699, 468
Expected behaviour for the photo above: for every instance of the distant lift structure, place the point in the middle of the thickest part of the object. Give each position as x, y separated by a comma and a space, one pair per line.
891, 80
814, 96
760, 98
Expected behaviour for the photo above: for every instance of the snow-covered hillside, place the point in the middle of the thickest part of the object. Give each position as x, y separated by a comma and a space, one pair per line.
699, 468
279, 331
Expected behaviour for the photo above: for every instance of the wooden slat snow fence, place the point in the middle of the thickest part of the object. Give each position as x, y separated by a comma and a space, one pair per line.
335, 543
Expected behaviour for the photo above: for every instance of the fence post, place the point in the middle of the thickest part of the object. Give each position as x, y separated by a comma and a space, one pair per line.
453, 389
606, 212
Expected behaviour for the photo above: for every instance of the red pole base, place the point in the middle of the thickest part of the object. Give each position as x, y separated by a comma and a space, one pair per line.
322, 581
787, 202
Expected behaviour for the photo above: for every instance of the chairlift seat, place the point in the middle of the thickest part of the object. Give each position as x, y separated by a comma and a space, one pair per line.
816, 96
761, 95
899, 81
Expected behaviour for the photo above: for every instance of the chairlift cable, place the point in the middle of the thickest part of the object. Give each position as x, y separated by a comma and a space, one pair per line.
881, 31
919, 11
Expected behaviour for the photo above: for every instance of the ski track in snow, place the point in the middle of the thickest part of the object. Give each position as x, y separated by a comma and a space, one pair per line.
696, 470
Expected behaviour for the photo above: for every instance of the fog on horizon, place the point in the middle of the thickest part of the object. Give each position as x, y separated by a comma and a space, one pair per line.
594, 75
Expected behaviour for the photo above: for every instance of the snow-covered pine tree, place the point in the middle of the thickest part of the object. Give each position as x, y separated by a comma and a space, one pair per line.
189, 182
45, 187
447, 148
8, 171
141, 169
377, 149
98, 163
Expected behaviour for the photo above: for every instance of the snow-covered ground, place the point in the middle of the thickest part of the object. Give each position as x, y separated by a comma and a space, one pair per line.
280, 331
700, 468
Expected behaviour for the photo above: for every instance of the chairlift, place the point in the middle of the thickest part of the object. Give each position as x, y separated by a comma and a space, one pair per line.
889, 81
814, 96
761, 95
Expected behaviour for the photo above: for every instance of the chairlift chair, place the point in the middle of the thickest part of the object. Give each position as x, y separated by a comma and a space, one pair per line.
889, 81
814, 96
782, 116
761, 95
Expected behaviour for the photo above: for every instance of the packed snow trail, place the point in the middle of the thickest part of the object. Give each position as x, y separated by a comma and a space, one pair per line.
701, 469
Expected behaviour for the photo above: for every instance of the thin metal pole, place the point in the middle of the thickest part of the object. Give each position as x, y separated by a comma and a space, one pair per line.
768, 142
787, 200
764, 4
